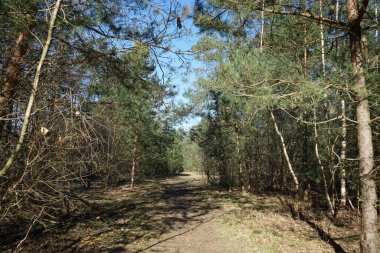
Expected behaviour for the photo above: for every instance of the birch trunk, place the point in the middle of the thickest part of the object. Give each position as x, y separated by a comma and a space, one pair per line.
377, 23
342, 171
322, 39
284, 149
337, 10
377, 36
133, 169
262, 27
305, 55
328, 199
134, 163
343, 192
241, 176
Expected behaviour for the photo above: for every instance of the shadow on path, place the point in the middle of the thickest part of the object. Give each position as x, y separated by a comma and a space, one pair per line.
170, 206
176, 235
321, 233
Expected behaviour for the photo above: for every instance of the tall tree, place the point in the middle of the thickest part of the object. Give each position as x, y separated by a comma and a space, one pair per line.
355, 14
223, 13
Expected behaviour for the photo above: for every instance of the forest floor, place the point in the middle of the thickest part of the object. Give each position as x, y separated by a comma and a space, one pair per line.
181, 215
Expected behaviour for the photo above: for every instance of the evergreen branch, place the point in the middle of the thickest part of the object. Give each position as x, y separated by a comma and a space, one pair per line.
306, 15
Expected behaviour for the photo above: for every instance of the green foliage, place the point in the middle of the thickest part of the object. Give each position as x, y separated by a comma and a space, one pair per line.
191, 150
243, 81
210, 18
263, 78
132, 112
176, 156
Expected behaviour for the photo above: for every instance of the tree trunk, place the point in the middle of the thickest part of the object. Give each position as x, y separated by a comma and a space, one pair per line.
303, 6
322, 33
290, 167
134, 163
328, 199
377, 23
262, 27
343, 191
133, 169
337, 10
11, 77
377, 36
241, 176
305, 54
365, 145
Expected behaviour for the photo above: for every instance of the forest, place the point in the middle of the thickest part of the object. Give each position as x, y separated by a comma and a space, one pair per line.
98, 155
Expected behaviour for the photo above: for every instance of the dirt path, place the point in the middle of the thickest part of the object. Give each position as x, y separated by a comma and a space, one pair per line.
206, 221
179, 215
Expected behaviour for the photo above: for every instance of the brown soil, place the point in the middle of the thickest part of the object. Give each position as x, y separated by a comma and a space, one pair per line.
180, 215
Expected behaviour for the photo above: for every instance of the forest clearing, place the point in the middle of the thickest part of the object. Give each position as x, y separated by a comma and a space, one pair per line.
108, 107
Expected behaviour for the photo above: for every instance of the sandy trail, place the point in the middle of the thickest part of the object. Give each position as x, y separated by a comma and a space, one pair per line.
203, 221
180, 215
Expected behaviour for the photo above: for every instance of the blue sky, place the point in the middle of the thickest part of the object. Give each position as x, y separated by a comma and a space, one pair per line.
184, 78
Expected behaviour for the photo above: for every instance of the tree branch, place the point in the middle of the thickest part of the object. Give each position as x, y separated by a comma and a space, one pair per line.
306, 15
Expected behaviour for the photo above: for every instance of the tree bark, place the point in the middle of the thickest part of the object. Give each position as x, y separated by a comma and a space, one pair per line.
11, 77
365, 145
